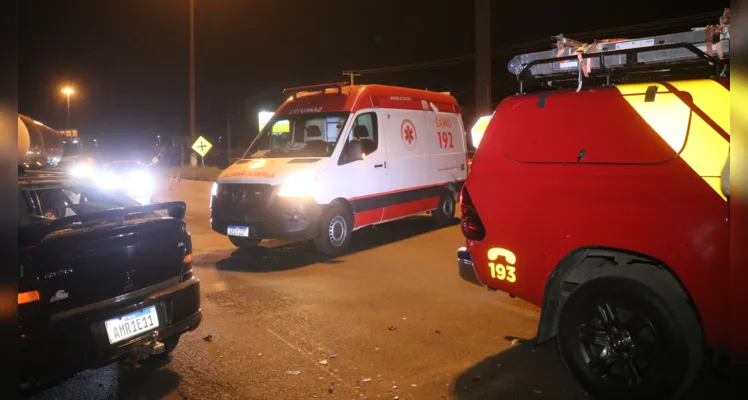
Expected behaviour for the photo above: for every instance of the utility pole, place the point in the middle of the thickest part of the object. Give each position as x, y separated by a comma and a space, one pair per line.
228, 134
193, 155
482, 57
351, 74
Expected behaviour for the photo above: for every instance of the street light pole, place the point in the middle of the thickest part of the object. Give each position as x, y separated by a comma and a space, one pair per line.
67, 92
193, 156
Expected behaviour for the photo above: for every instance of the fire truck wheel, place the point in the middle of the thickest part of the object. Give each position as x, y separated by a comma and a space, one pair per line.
445, 211
244, 243
621, 339
336, 226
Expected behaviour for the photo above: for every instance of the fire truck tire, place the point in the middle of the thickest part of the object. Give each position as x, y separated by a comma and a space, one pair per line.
336, 226
615, 329
244, 243
444, 213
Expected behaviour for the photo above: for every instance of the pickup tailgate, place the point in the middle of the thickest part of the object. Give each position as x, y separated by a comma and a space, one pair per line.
79, 266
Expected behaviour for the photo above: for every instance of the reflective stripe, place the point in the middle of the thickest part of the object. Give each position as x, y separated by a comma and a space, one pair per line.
705, 149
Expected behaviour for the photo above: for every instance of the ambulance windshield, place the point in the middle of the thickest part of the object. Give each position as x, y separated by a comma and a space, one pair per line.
302, 135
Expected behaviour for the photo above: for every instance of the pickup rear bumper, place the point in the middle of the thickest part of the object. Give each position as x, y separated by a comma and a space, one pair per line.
67, 343
466, 268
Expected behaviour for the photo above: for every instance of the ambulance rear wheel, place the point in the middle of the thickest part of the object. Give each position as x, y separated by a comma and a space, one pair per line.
444, 213
336, 226
244, 243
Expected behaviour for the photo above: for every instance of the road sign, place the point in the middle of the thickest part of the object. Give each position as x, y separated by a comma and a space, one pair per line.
155, 160
202, 146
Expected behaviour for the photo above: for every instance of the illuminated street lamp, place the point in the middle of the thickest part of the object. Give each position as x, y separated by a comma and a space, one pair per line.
67, 91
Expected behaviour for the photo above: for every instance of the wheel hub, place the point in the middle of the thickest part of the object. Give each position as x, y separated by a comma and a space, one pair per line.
621, 341
337, 230
609, 348
447, 208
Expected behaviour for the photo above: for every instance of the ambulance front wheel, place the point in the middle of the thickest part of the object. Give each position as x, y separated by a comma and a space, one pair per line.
244, 243
444, 213
336, 226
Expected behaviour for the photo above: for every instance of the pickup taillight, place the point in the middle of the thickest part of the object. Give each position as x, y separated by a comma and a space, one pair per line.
187, 267
472, 226
187, 261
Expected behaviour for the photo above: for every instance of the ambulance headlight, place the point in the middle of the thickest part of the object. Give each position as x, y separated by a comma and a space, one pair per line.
299, 185
213, 193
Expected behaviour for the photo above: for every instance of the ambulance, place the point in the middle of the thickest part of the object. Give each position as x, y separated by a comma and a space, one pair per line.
335, 158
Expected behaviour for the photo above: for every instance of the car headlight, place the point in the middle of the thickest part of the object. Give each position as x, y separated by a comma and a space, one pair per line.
109, 181
299, 185
81, 171
139, 184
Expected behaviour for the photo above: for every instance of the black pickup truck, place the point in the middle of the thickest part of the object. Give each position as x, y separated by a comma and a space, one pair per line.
102, 278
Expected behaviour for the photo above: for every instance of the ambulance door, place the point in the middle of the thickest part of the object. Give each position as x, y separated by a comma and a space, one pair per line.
366, 182
408, 161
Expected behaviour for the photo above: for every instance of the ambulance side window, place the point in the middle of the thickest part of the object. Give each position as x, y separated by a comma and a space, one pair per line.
365, 130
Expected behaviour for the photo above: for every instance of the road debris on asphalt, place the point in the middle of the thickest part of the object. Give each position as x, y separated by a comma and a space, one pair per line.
293, 372
438, 332
392, 328
208, 338
365, 379
413, 385
514, 341
537, 391
333, 356
322, 362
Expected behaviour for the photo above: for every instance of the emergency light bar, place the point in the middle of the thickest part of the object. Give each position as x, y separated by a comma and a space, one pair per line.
316, 88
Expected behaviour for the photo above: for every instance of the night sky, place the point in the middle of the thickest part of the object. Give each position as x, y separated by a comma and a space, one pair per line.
128, 59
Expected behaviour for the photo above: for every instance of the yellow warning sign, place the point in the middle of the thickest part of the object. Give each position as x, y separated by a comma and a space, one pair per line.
155, 160
202, 146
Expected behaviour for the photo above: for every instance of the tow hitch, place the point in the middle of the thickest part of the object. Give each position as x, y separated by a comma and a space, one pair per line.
148, 346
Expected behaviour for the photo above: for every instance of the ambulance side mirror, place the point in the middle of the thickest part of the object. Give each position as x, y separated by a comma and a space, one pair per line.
353, 151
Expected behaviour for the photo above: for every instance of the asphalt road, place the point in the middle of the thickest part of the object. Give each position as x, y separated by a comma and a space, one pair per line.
389, 320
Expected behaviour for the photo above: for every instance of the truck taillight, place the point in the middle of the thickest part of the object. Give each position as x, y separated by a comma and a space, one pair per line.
472, 227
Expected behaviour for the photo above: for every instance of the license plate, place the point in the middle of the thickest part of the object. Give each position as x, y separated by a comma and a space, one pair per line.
238, 231
133, 324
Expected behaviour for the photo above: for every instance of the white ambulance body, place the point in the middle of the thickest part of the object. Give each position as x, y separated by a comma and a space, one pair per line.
336, 158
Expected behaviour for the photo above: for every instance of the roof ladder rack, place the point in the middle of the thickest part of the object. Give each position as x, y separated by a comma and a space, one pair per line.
703, 51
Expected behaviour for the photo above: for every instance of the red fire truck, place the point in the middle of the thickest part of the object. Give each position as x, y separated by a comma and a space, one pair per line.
602, 202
